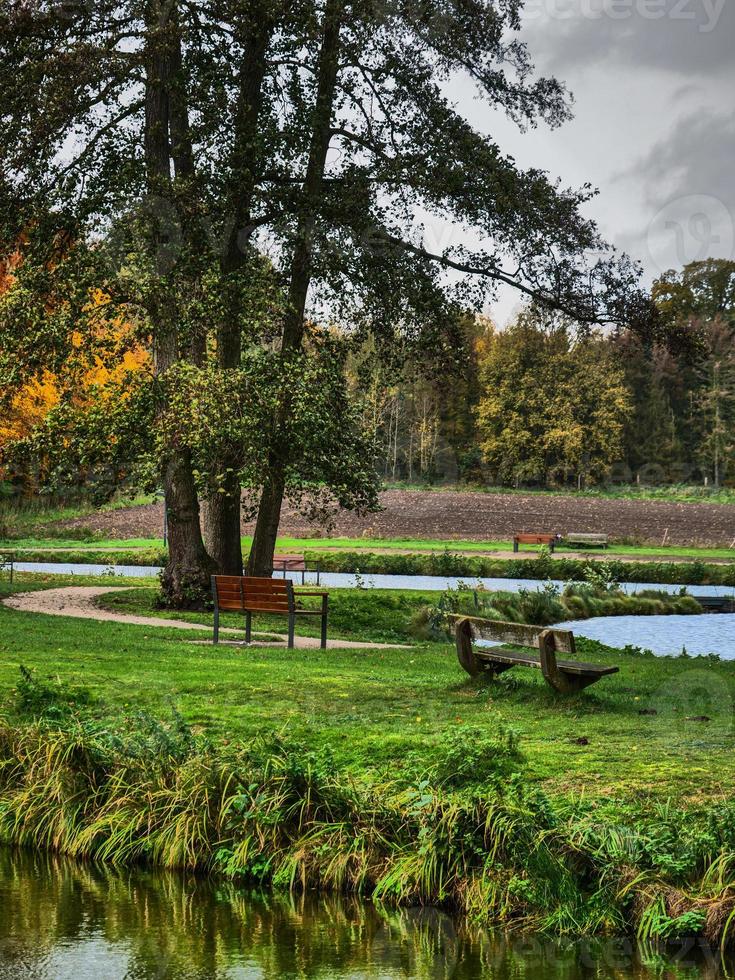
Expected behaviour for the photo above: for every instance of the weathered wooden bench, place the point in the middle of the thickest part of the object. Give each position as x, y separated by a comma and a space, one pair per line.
535, 538
565, 676
297, 563
248, 595
586, 540
7, 561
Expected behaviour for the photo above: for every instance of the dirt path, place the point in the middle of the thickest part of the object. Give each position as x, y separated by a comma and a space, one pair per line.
80, 602
475, 516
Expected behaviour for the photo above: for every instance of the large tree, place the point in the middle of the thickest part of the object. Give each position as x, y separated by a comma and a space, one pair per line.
172, 142
375, 151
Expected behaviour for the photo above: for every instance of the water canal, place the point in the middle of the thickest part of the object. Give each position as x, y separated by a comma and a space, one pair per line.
63, 920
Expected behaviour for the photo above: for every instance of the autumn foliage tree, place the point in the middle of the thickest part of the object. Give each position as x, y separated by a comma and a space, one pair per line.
554, 403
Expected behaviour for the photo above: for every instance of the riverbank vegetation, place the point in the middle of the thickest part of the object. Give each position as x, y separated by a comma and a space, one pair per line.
382, 771
539, 566
473, 834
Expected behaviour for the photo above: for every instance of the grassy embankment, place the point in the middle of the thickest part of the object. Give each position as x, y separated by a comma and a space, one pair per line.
385, 771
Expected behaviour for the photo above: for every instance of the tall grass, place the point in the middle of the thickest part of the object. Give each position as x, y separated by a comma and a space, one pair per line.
546, 605
496, 848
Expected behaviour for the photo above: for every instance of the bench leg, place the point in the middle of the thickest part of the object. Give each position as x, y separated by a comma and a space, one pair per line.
324, 622
248, 626
465, 652
560, 681
515, 546
215, 638
291, 629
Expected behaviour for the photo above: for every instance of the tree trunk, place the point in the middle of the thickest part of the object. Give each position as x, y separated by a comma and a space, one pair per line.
271, 500
185, 579
221, 528
260, 561
221, 512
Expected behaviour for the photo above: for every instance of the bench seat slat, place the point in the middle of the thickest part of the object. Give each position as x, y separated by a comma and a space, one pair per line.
504, 655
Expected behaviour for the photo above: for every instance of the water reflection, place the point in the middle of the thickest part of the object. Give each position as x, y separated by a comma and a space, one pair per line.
60, 919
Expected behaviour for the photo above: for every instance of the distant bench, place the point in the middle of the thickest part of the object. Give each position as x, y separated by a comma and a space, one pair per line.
565, 676
535, 538
7, 561
586, 540
297, 563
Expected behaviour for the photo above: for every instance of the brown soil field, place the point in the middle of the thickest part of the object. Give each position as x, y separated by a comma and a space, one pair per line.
476, 516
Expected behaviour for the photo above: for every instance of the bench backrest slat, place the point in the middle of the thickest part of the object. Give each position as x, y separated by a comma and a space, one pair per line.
517, 634
267, 594
248, 593
228, 591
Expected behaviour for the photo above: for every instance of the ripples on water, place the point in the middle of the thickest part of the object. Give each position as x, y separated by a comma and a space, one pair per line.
61, 920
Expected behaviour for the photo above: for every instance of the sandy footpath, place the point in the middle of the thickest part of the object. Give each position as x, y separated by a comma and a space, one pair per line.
80, 602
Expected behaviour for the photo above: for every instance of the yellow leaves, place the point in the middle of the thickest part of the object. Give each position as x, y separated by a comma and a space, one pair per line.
28, 409
31, 405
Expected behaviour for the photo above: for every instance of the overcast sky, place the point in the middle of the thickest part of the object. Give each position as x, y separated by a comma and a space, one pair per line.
654, 121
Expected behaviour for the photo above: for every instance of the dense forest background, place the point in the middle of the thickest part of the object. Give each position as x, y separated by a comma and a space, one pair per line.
539, 403
545, 403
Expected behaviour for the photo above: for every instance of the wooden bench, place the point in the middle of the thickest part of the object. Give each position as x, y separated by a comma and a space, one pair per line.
565, 676
586, 540
7, 560
535, 538
297, 563
248, 595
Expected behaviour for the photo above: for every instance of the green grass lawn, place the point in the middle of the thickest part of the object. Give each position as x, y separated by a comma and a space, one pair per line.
386, 711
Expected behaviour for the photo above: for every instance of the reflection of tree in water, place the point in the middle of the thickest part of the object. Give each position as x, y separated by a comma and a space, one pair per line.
179, 926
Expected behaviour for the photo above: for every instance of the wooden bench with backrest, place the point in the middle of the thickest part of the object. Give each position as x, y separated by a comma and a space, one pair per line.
586, 540
565, 676
248, 595
297, 563
534, 537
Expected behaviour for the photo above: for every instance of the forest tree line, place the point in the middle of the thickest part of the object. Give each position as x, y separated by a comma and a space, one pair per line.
543, 402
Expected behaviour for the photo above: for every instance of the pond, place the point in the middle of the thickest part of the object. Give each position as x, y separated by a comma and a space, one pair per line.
62, 920
663, 635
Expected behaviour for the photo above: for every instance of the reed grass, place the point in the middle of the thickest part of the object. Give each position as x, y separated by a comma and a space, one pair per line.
498, 850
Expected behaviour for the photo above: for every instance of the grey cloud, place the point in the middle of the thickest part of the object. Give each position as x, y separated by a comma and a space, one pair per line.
697, 158
693, 38
686, 181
